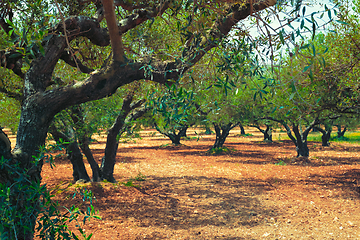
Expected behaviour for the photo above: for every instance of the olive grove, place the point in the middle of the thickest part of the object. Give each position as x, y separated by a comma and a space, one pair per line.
37, 42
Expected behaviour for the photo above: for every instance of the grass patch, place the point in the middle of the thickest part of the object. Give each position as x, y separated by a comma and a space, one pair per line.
281, 163
222, 150
140, 177
244, 135
351, 137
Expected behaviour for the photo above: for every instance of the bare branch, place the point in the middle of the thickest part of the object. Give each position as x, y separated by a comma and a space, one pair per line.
17, 96
73, 61
115, 37
78, 26
11, 59
141, 16
128, 6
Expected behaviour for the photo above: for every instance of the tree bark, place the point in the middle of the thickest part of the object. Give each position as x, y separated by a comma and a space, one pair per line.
73, 154
326, 134
242, 130
301, 142
41, 103
340, 133
267, 132
119, 126
222, 131
5, 145
172, 135
300, 139
84, 136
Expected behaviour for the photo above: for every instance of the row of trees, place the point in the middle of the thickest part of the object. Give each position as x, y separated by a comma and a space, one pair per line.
68, 66
41, 34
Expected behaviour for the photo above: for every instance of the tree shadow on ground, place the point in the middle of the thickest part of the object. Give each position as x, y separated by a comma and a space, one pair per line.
348, 181
186, 202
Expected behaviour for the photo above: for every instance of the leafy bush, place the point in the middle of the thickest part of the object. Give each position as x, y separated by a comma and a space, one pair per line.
51, 223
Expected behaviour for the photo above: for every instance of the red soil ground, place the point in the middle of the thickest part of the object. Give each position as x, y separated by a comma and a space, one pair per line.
243, 194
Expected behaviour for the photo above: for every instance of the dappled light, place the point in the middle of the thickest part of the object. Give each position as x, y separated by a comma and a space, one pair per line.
254, 191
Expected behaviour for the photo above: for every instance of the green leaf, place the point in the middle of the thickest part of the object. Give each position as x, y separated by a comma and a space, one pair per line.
314, 50
291, 96
15, 55
311, 75
281, 37
342, 22
304, 46
306, 68
42, 51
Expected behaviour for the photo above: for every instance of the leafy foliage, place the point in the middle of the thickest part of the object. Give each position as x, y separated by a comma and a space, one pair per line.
51, 222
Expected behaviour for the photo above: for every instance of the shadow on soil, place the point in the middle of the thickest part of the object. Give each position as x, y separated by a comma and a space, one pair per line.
349, 182
186, 202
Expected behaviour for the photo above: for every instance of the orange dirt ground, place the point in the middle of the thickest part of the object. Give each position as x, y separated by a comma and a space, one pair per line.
242, 194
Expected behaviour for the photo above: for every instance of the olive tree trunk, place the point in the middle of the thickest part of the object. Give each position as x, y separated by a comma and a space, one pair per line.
300, 138
267, 132
242, 129
222, 131
326, 134
120, 125
340, 133
42, 99
174, 135
84, 136
73, 153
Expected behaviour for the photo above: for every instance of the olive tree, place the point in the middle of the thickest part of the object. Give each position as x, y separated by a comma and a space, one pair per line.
42, 47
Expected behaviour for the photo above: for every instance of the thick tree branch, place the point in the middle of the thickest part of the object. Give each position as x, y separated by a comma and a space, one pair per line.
11, 59
101, 83
141, 16
222, 27
128, 6
17, 96
80, 26
311, 126
69, 59
288, 130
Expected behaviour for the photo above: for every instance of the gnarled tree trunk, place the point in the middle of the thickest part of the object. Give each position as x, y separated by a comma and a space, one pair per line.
119, 126
300, 139
242, 129
172, 135
42, 100
84, 136
222, 131
73, 153
326, 134
267, 132
340, 133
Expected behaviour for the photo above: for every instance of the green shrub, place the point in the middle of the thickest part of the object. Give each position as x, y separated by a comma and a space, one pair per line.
51, 223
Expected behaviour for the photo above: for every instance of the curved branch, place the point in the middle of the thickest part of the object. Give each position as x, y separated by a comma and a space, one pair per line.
288, 130
141, 16
222, 27
17, 96
11, 59
86, 27
128, 6
69, 59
